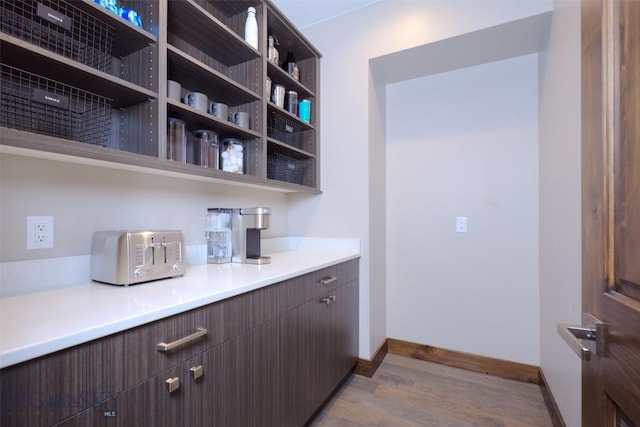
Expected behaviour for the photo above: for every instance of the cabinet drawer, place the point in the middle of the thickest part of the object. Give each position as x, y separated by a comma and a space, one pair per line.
132, 356
297, 291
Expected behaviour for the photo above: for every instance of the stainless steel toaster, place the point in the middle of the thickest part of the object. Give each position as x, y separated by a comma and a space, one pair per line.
128, 257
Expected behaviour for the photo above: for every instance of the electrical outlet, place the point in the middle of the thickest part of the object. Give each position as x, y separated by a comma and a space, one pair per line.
461, 224
39, 232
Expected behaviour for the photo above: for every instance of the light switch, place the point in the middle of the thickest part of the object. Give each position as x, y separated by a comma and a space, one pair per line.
461, 224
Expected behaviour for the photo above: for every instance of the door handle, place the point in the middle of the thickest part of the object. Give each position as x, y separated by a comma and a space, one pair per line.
573, 335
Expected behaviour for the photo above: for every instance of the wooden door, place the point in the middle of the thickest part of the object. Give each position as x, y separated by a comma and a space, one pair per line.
237, 384
611, 207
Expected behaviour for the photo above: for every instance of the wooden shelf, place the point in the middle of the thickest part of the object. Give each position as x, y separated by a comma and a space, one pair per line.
276, 146
200, 120
281, 77
192, 73
289, 38
20, 54
23, 143
205, 32
234, 7
271, 107
128, 38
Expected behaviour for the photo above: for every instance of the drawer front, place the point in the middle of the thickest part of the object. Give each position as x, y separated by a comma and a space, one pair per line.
131, 356
297, 291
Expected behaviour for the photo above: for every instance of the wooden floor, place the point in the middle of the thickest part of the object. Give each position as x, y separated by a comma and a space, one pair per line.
410, 392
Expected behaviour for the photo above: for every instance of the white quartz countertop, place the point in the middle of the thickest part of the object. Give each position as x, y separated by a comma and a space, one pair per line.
40, 323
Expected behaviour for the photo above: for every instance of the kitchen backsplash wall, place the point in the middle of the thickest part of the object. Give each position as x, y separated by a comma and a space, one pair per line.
83, 199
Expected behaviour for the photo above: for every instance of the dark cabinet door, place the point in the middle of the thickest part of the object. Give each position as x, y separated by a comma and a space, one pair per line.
203, 389
344, 334
49, 389
236, 383
318, 348
337, 336
299, 364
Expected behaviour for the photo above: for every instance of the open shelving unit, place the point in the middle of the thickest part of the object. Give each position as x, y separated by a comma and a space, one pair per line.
198, 43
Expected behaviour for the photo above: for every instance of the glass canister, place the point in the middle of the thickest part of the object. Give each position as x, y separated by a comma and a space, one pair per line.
208, 149
232, 155
177, 140
218, 235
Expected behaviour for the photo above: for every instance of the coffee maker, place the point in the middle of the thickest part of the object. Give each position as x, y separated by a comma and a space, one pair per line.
246, 225
218, 235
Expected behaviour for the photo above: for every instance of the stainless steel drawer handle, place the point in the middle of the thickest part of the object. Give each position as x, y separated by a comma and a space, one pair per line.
196, 372
161, 346
327, 280
328, 300
173, 384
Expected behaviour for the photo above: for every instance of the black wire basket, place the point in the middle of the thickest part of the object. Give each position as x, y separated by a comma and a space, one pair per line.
33, 103
284, 168
60, 27
290, 132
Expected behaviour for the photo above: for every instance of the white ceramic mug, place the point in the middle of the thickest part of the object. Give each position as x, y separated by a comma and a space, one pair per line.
174, 90
197, 100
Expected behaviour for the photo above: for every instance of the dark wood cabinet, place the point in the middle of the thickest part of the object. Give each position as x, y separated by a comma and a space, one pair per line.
270, 358
299, 364
338, 336
53, 387
318, 340
237, 382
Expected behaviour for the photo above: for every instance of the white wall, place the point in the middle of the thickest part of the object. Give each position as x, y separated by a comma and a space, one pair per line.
465, 143
560, 215
83, 199
348, 42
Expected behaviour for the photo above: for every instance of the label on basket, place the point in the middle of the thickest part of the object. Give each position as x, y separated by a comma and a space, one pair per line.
49, 98
288, 128
45, 12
